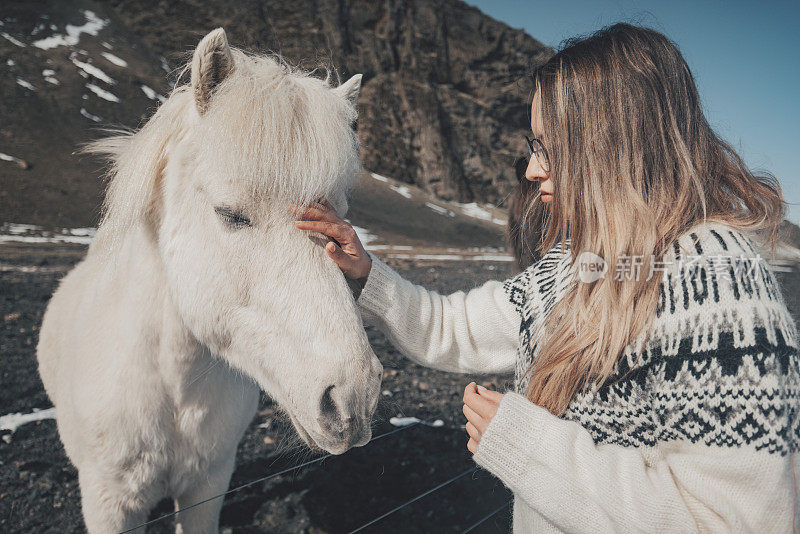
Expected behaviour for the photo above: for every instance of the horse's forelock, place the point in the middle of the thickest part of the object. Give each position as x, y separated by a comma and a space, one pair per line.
277, 127
282, 130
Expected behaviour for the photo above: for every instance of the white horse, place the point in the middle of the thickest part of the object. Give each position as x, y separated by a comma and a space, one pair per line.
198, 289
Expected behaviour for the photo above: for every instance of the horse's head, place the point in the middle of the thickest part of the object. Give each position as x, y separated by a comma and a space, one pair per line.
256, 135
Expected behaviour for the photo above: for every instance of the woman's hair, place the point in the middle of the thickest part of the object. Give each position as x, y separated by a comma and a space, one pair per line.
634, 165
521, 201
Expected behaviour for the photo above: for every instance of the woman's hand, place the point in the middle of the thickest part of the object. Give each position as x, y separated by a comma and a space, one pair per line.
480, 407
346, 249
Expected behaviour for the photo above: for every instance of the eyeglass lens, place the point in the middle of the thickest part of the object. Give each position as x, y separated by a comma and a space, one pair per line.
535, 147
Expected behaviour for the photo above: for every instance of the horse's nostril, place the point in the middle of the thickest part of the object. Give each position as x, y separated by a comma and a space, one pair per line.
336, 419
327, 406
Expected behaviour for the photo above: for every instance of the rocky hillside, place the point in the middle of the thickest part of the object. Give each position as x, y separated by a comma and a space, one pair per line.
443, 104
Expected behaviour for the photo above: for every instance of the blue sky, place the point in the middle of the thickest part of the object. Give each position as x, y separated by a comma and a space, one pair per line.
743, 55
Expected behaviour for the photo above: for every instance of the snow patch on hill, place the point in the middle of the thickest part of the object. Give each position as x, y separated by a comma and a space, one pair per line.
401, 189
92, 26
151, 94
364, 235
102, 93
6, 157
12, 40
472, 209
26, 84
440, 210
49, 76
88, 68
118, 61
90, 116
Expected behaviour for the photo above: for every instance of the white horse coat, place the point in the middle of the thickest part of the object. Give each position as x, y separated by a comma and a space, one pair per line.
198, 289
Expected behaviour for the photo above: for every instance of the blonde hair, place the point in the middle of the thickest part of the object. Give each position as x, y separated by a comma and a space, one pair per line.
634, 165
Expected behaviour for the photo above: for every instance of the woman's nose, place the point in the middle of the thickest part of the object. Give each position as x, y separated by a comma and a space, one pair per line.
535, 171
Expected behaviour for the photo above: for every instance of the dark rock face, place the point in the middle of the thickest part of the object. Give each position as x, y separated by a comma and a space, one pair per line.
444, 99
49, 106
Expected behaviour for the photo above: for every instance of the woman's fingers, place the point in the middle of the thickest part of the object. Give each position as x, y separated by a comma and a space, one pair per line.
343, 233
480, 405
315, 213
325, 220
320, 210
494, 396
472, 387
339, 256
348, 252
479, 422
325, 210
338, 232
473, 432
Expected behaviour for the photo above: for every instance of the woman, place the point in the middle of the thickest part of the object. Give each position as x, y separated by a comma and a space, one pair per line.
658, 392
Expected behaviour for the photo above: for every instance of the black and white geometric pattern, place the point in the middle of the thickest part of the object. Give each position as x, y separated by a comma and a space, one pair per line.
720, 367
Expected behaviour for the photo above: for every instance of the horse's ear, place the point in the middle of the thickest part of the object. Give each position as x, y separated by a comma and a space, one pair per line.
350, 89
211, 63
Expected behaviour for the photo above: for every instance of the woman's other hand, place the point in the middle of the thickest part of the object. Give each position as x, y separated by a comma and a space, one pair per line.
480, 407
346, 249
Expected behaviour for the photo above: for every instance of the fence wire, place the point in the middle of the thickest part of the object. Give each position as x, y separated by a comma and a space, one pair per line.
486, 518
279, 473
415, 499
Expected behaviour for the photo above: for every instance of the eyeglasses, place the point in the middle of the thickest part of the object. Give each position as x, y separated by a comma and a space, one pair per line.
535, 147
521, 164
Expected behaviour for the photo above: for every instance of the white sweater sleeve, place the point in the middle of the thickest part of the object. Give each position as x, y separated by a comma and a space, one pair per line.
556, 468
473, 332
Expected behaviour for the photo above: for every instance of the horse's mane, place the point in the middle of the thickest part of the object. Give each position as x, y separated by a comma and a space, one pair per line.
277, 128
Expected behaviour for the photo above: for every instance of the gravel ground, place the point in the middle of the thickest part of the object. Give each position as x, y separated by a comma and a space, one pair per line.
39, 489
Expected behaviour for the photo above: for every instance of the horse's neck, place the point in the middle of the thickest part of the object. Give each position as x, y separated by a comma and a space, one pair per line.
135, 271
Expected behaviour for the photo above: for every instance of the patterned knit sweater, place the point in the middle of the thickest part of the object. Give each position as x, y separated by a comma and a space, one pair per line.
700, 434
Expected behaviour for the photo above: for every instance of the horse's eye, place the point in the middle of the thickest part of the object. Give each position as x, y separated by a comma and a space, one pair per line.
231, 218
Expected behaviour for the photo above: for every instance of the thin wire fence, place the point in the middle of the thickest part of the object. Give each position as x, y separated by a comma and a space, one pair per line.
279, 473
415, 499
485, 518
